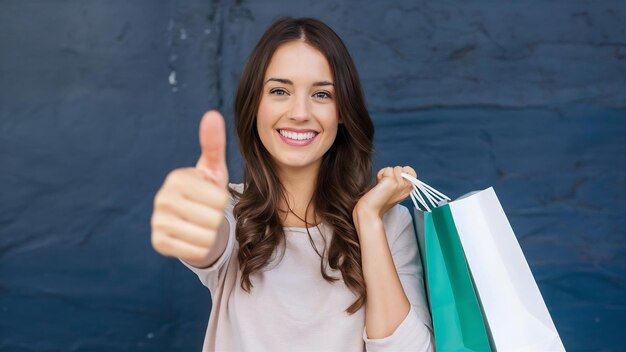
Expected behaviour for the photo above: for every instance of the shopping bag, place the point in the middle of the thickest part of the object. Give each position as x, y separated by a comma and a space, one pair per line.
512, 303
457, 320
514, 310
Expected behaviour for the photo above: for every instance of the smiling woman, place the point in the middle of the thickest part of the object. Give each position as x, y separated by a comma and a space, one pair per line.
306, 138
297, 118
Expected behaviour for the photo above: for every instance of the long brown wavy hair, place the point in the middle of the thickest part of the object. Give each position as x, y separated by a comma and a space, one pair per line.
344, 175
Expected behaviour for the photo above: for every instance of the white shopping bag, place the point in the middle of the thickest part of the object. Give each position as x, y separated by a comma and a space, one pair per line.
515, 312
513, 308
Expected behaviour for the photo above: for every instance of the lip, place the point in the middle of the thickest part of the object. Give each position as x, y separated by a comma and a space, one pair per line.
297, 130
297, 143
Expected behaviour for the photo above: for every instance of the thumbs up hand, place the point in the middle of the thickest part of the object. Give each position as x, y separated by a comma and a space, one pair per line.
188, 216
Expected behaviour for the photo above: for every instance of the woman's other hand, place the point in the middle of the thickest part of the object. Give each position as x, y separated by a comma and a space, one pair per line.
390, 189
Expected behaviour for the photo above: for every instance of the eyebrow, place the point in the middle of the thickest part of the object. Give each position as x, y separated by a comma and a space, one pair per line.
287, 81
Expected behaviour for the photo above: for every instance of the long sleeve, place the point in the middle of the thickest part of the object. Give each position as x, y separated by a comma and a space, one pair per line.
293, 308
214, 275
415, 331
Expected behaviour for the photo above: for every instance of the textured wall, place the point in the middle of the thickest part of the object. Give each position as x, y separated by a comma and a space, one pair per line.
100, 99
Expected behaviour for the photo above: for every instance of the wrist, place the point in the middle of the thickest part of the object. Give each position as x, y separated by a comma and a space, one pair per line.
365, 218
368, 215
365, 212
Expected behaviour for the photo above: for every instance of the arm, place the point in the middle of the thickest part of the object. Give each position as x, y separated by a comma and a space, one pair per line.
396, 312
212, 275
387, 304
217, 249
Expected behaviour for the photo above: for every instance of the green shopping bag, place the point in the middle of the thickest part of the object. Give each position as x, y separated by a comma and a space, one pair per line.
457, 318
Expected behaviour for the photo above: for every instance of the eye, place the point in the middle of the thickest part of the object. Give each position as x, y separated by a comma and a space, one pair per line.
322, 95
278, 92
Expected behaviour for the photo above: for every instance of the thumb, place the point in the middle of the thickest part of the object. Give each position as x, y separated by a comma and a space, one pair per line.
212, 135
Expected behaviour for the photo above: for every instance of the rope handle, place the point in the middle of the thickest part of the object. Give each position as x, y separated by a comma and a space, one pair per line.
421, 190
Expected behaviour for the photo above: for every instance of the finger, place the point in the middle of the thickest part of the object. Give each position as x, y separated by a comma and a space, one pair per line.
190, 183
405, 186
212, 135
208, 194
185, 231
174, 247
408, 184
397, 170
197, 213
409, 170
384, 172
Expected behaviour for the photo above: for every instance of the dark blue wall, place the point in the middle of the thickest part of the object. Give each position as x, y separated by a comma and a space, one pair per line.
100, 99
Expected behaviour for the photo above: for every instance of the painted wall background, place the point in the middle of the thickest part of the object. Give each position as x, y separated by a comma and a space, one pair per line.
100, 99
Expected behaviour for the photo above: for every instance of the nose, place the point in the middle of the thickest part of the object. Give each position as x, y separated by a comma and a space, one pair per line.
300, 109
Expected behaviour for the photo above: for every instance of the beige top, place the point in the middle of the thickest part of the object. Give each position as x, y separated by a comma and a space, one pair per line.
292, 308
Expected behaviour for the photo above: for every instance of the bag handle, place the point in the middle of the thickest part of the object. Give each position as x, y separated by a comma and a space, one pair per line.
420, 188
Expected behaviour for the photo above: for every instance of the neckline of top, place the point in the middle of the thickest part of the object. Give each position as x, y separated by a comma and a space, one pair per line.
314, 228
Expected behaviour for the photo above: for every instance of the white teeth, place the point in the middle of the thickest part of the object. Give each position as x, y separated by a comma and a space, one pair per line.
297, 136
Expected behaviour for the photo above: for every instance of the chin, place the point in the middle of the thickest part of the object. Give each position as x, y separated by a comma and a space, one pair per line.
296, 164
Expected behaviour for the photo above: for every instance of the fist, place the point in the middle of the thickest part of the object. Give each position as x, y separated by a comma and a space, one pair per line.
189, 207
390, 189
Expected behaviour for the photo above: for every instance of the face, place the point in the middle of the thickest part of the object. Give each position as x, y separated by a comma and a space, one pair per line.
297, 117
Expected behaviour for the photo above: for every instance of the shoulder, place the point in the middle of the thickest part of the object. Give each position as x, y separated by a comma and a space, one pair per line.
237, 187
236, 190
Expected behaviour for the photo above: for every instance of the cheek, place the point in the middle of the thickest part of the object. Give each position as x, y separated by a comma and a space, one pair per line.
331, 130
331, 119
261, 114
261, 126
268, 112
264, 117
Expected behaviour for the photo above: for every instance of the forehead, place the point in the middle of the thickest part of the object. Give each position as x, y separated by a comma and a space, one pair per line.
297, 59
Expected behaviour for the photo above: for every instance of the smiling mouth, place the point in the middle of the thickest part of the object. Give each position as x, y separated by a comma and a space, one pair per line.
297, 136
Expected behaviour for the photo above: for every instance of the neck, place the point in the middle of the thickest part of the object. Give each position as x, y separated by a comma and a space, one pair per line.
299, 185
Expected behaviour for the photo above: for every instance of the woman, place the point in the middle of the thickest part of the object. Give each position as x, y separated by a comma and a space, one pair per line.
310, 255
